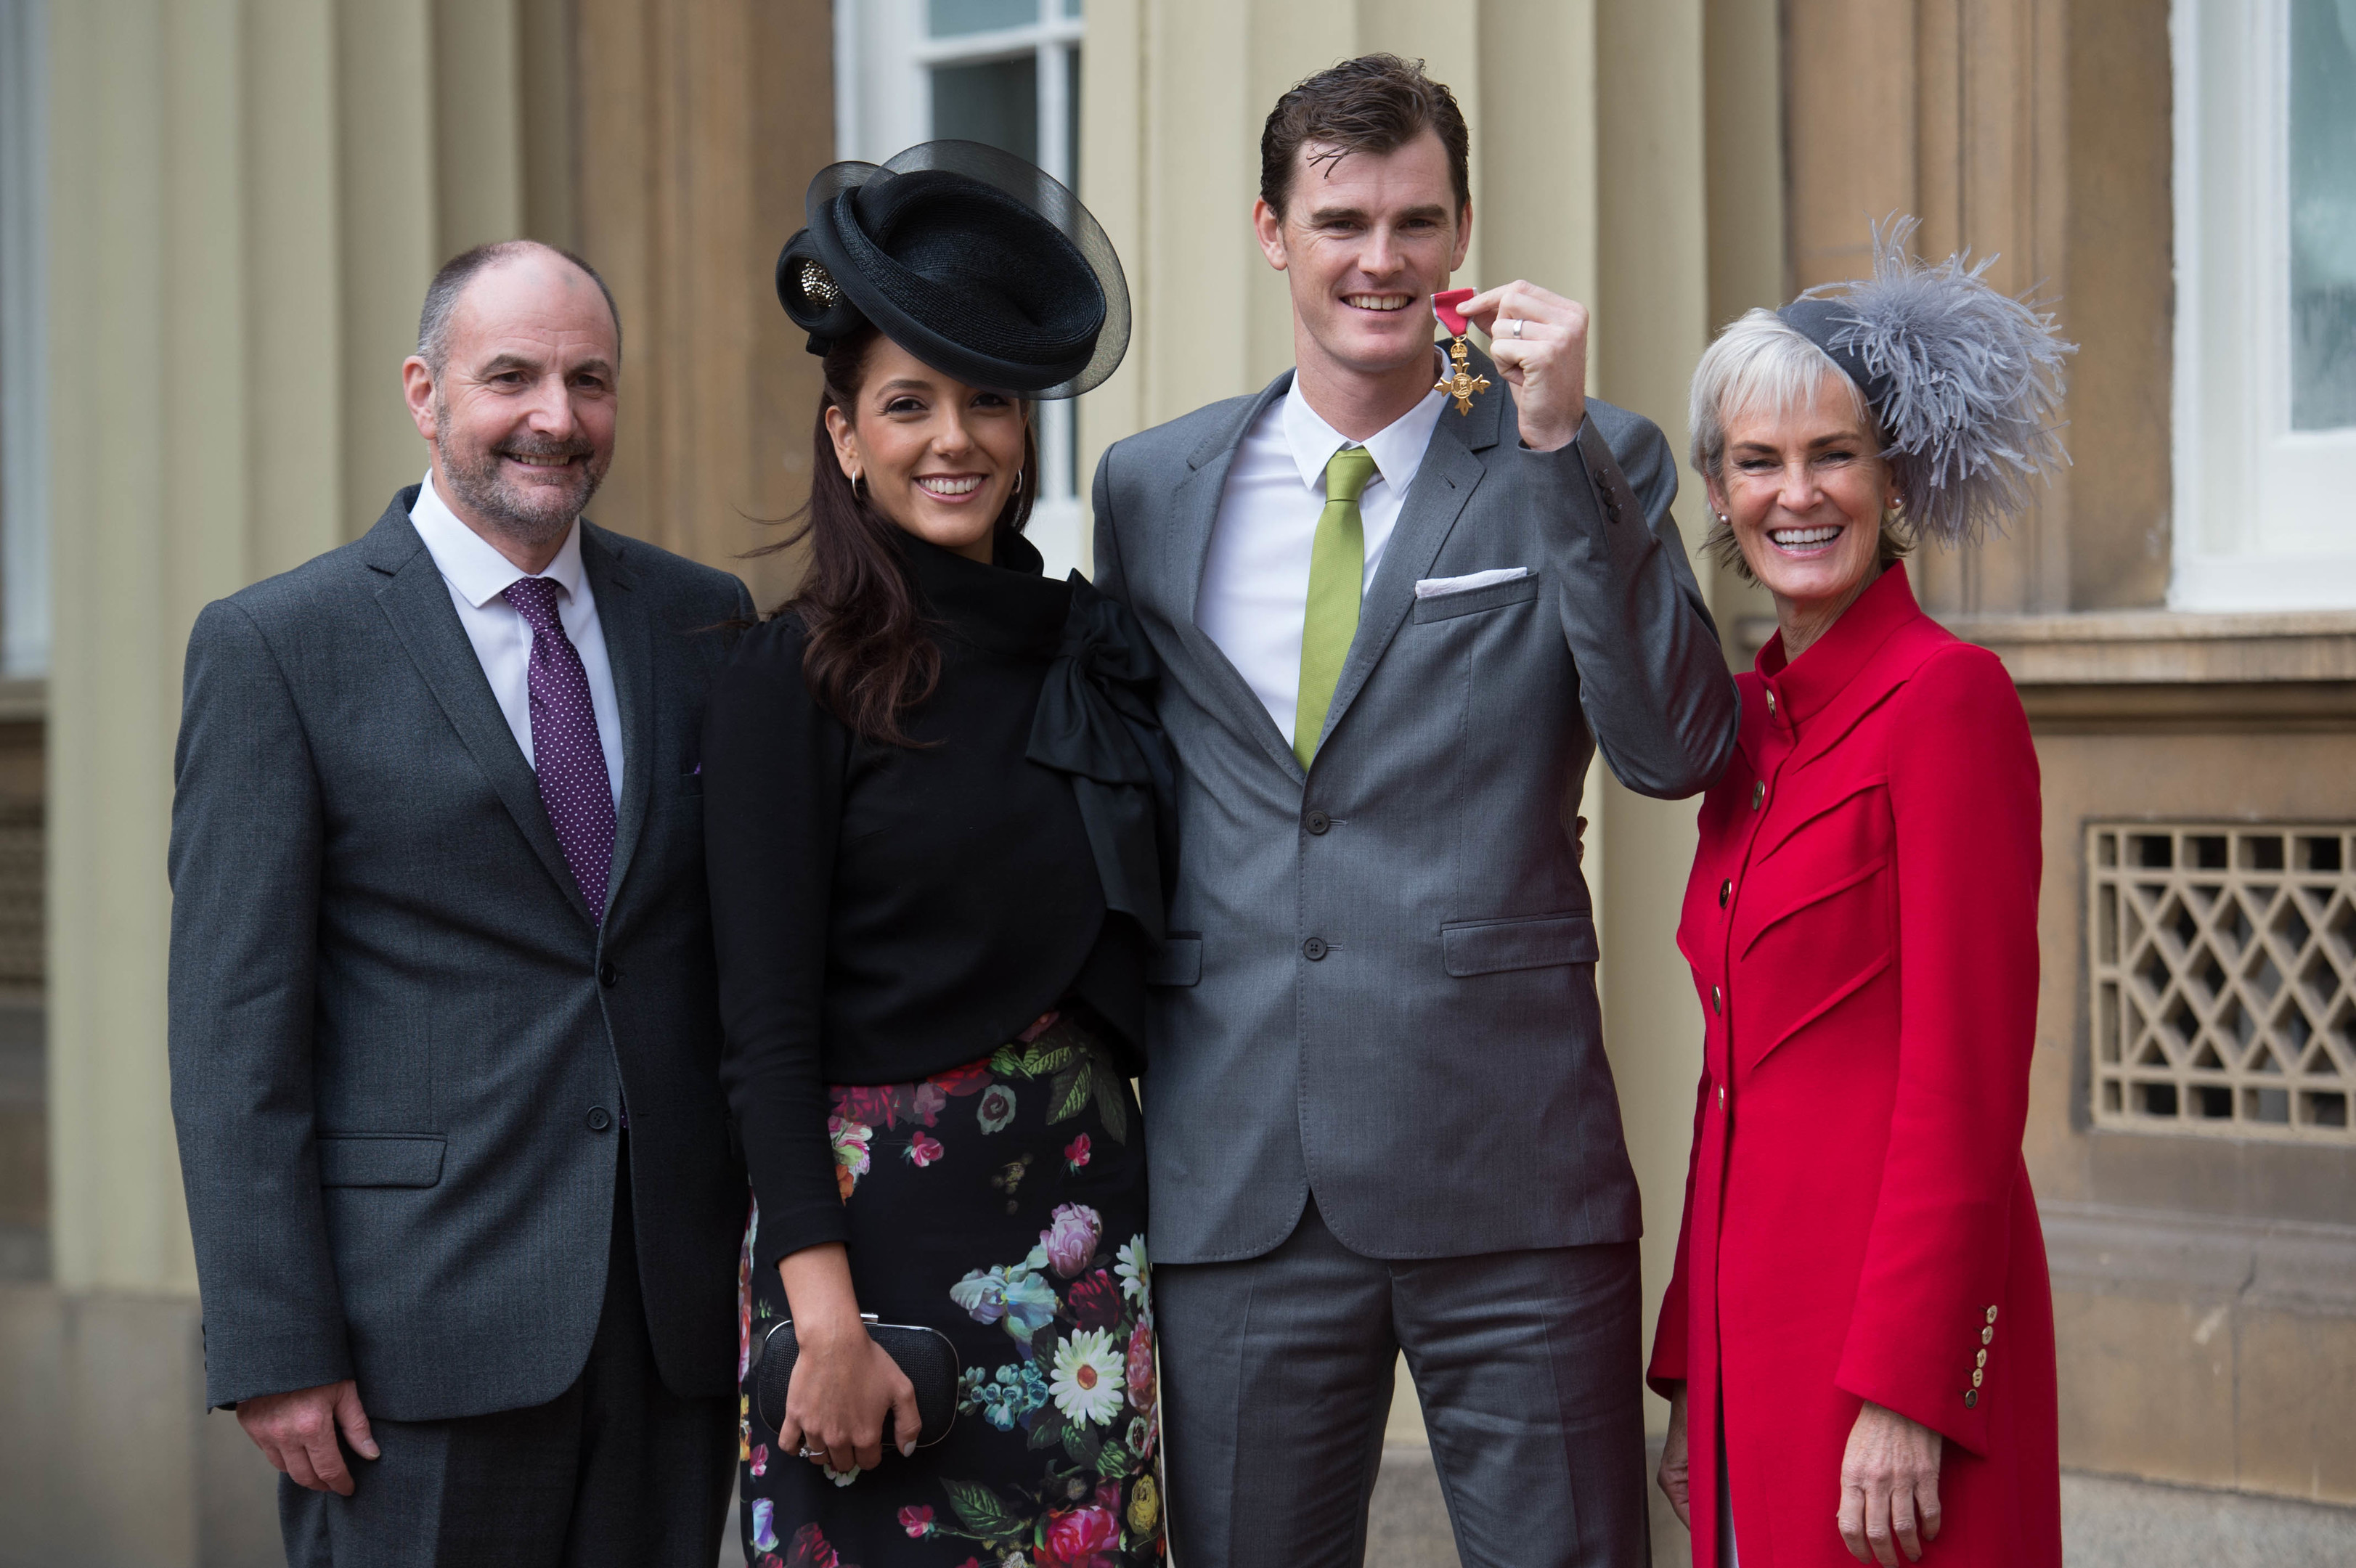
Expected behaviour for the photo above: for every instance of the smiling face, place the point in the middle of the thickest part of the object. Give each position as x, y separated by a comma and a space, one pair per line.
940, 458
1804, 489
1364, 240
520, 412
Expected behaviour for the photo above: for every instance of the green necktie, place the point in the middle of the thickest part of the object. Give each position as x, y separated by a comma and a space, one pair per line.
1337, 571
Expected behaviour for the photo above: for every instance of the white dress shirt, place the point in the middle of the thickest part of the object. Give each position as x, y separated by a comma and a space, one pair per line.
1254, 598
477, 575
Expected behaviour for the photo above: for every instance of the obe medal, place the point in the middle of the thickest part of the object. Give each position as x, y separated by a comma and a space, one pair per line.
1460, 382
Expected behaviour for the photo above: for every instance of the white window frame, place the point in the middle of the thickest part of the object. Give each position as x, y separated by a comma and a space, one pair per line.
24, 341
883, 102
2264, 516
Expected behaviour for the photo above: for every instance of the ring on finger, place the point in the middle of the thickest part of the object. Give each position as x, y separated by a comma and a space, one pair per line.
1517, 326
809, 1453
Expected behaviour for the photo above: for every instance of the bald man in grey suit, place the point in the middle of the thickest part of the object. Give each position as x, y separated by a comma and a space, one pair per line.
444, 1033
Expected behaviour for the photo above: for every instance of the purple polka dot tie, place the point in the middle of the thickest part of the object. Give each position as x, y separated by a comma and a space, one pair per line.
565, 751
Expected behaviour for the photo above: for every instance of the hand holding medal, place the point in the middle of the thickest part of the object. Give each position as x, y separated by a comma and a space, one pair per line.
1539, 340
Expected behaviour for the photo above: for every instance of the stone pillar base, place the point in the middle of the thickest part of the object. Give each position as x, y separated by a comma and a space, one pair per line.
106, 1457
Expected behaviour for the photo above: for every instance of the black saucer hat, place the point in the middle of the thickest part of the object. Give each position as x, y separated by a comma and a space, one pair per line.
968, 257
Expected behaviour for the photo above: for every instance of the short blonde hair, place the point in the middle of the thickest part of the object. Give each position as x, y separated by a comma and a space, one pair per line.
1760, 362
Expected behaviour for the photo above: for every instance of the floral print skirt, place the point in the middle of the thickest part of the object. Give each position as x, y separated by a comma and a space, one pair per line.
1003, 1203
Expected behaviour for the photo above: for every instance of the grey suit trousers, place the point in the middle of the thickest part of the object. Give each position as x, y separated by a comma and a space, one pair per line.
1277, 1377
615, 1472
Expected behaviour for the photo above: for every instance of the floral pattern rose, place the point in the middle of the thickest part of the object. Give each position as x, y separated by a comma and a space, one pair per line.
1084, 1538
809, 1549
1144, 1506
1095, 1301
1140, 1368
1071, 1238
997, 1108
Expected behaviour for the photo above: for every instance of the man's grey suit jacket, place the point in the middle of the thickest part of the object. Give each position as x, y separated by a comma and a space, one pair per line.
401, 1046
1381, 984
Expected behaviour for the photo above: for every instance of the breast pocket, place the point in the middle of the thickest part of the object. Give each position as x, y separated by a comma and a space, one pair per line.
1477, 601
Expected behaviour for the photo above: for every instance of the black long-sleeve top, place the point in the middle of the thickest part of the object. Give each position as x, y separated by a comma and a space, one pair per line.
886, 913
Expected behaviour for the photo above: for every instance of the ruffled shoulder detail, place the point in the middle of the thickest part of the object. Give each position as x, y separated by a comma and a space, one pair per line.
1095, 723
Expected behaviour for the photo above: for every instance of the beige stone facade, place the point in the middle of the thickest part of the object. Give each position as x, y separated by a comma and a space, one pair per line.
246, 197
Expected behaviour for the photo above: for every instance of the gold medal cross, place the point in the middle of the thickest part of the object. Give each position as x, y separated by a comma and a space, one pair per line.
1461, 383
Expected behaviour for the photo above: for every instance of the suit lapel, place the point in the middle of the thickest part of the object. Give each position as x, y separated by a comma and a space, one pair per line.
629, 651
417, 602
1444, 482
1196, 511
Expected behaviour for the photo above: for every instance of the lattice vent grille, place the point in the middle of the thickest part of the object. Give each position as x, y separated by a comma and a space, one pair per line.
2223, 970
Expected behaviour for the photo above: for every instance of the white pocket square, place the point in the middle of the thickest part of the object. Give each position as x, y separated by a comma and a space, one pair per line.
1439, 587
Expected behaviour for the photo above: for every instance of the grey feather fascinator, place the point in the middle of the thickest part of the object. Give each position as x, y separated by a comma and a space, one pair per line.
1966, 381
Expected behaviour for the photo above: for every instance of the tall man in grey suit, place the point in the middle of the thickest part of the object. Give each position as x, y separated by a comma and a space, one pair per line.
443, 1030
1380, 1113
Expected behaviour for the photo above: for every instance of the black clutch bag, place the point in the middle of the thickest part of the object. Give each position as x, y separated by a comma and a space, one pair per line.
925, 1355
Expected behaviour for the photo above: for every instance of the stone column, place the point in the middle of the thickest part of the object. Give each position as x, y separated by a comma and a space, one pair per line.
248, 197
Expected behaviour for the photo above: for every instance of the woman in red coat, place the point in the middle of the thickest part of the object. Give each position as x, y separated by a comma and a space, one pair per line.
1857, 1341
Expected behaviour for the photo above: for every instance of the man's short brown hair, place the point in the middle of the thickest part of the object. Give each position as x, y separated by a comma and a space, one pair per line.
1375, 103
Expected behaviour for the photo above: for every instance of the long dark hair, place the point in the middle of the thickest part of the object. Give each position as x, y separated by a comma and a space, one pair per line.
870, 657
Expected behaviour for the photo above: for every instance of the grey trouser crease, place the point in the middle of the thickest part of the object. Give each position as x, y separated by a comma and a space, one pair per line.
1277, 1377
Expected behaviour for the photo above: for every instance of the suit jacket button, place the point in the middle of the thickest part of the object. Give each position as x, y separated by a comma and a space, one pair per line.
1319, 822
1721, 1096
1758, 795
599, 1120
1716, 1000
1313, 949
1971, 1397
1991, 1314
1982, 1362
1987, 1335
1725, 891
607, 974
1976, 1376
1771, 700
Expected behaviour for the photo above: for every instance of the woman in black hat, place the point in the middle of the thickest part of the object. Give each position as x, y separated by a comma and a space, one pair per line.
932, 787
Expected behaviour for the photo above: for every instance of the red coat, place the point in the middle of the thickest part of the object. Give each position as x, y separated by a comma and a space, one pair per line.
1862, 927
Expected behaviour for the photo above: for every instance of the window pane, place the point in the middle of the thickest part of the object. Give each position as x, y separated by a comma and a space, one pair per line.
949, 18
2323, 214
1072, 118
1071, 7
995, 102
